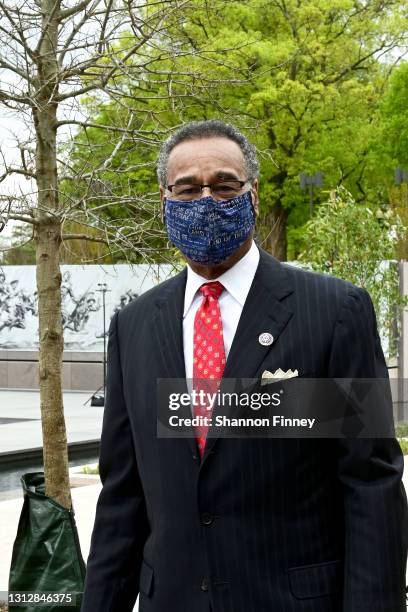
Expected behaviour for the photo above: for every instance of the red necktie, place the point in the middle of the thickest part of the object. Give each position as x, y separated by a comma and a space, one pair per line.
209, 353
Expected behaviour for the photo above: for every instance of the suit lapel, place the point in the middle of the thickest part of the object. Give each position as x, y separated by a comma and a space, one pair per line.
167, 327
167, 333
264, 311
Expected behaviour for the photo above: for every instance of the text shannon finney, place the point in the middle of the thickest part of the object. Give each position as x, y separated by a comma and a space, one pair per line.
224, 421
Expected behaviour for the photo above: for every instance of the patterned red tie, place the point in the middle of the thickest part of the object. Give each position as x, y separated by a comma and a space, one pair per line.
209, 353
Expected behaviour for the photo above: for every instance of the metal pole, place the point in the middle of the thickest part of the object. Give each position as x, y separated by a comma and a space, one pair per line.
104, 340
311, 198
309, 182
402, 412
104, 289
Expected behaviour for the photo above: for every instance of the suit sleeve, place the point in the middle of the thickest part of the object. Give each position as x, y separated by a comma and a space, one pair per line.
370, 473
121, 525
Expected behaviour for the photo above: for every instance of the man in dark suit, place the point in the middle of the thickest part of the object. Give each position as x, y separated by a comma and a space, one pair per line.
239, 524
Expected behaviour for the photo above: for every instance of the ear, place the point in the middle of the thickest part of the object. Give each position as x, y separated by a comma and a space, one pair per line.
255, 196
162, 190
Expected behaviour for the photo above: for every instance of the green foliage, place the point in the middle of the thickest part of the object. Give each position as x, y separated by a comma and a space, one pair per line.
394, 110
314, 90
88, 469
401, 430
388, 145
302, 80
398, 196
358, 244
23, 250
404, 445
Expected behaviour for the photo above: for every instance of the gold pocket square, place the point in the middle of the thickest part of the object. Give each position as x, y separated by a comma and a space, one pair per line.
279, 374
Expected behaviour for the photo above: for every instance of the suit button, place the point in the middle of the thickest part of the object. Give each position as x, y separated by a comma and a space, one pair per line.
207, 519
204, 584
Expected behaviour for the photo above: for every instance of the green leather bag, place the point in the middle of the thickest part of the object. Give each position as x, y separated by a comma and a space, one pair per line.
47, 563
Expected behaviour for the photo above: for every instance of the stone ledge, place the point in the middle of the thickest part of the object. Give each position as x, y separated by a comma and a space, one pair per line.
23, 355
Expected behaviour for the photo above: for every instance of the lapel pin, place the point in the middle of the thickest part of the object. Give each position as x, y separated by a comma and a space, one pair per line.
265, 339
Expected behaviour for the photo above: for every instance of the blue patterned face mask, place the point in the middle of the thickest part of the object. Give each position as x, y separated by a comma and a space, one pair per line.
208, 231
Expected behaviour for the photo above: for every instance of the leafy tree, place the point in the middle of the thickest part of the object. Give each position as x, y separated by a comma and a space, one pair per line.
390, 147
307, 82
318, 83
398, 196
113, 154
22, 251
358, 244
394, 112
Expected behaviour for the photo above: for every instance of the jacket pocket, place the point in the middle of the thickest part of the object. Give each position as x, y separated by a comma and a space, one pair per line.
146, 579
317, 580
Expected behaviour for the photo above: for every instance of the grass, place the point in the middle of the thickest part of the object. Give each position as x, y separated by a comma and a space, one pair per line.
401, 430
87, 469
404, 445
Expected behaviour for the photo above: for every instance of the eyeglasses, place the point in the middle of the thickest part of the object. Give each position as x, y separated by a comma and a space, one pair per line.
223, 190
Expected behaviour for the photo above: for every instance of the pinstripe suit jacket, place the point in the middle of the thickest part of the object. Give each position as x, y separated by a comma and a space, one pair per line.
259, 525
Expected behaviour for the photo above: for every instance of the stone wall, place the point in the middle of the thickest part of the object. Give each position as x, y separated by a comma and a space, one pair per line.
82, 371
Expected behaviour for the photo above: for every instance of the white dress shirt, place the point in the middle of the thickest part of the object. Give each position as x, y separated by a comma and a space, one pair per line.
237, 282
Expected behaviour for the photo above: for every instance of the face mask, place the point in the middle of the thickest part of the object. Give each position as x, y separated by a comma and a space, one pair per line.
207, 231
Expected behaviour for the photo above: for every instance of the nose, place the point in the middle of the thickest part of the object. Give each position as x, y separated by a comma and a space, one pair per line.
206, 191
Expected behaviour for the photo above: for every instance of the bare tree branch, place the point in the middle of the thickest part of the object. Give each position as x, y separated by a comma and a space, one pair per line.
83, 237
14, 68
5, 96
21, 171
23, 218
17, 246
17, 27
74, 10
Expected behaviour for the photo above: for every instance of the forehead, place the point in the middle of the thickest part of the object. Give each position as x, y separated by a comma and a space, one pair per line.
204, 158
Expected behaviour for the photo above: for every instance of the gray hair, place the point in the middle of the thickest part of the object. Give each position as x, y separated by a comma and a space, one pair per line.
196, 130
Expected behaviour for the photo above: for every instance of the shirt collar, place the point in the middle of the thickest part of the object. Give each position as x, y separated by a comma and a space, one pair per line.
237, 280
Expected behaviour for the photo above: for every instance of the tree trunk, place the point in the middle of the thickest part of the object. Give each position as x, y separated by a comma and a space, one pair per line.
273, 231
48, 240
55, 453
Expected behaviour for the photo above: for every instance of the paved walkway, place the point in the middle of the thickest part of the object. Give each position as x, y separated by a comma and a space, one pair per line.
20, 424
84, 501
